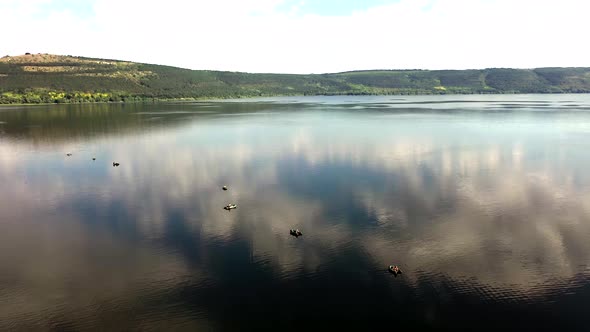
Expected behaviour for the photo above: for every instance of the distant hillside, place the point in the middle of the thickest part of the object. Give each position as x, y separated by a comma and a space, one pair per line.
42, 78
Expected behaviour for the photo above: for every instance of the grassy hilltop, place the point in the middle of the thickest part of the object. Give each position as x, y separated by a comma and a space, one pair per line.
43, 78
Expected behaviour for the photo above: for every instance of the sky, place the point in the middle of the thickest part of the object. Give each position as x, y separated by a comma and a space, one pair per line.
304, 36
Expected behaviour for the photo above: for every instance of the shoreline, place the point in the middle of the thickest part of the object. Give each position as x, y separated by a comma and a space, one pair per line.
221, 99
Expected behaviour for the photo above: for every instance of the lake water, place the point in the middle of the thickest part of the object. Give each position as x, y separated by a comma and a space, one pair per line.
483, 201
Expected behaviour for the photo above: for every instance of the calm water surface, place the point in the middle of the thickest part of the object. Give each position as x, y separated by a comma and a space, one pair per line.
484, 201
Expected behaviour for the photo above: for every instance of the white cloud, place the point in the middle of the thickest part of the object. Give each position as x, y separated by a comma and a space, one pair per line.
256, 36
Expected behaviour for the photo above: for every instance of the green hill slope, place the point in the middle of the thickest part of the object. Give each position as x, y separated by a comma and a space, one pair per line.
41, 78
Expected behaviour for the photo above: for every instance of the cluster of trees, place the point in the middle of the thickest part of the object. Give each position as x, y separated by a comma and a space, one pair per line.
62, 97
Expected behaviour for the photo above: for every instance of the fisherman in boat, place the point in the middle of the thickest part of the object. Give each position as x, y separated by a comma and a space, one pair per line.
295, 232
395, 270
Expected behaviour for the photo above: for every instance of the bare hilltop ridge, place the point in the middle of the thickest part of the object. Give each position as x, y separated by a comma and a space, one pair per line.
47, 78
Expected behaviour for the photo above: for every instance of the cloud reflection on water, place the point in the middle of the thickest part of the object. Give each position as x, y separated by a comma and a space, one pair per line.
498, 208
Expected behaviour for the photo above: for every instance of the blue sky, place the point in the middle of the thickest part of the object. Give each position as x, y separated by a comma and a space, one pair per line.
302, 7
304, 36
330, 7
81, 8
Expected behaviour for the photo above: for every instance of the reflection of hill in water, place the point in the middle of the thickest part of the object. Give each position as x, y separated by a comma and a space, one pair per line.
63, 123
485, 218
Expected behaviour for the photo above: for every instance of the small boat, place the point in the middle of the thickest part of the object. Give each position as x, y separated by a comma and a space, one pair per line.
68, 154
93, 158
224, 188
115, 164
395, 270
230, 206
295, 232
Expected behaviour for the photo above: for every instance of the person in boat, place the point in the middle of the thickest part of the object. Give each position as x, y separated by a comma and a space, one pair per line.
395, 269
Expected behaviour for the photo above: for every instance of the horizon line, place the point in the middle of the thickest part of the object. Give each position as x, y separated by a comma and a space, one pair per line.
282, 73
